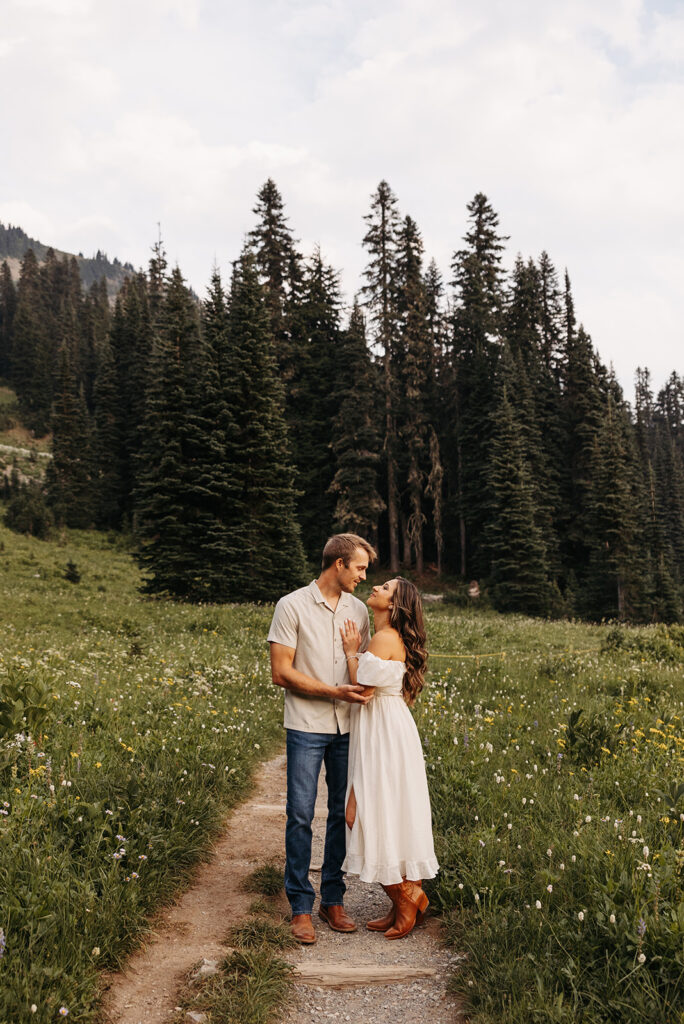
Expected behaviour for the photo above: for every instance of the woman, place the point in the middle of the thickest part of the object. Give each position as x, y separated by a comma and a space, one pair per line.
388, 806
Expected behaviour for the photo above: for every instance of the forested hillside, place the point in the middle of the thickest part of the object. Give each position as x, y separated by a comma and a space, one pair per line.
464, 422
15, 243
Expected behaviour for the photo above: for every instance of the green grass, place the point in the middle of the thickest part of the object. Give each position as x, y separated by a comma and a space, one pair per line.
260, 932
266, 879
252, 987
254, 983
130, 725
559, 825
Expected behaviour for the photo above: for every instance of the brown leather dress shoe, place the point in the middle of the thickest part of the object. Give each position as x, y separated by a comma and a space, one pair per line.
302, 929
337, 917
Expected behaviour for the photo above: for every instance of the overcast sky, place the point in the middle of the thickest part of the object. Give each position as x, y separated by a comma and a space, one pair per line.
568, 115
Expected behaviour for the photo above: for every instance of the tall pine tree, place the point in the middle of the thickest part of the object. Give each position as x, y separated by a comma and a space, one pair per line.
477, 323
357, 429
379, 294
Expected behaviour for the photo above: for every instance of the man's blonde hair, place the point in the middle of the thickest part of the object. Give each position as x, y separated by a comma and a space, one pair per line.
343, 545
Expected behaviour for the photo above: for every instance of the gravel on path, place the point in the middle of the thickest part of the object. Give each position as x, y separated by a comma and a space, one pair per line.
424, 1001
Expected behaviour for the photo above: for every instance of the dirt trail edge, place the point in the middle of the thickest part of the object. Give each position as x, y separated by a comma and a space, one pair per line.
196, 926
359, 977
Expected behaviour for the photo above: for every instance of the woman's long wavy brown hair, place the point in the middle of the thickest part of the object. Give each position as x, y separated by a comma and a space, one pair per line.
406, 616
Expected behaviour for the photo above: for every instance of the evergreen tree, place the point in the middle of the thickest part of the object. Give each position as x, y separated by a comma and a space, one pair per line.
8, 306
278, 265
69, 478
223, 539
172, 505
413, 370
379, 294
537, 399
518, 574
95, 319
31, 363
157, 281
439, 387
314, 400
131, 337
612, 582
477, 322
108, 441
357, 428
583, 411
272, 559
551, 314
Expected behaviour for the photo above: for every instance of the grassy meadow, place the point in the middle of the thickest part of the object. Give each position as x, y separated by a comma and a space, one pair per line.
129, 725
557, 782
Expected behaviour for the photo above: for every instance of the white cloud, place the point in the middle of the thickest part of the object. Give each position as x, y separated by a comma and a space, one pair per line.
567, 115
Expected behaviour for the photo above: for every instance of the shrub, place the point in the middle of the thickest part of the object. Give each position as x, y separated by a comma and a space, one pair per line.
27, 511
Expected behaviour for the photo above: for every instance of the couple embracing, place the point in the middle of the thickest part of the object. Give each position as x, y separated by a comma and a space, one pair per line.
346, 706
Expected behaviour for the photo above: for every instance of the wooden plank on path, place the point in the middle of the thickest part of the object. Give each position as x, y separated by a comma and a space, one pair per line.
341, 975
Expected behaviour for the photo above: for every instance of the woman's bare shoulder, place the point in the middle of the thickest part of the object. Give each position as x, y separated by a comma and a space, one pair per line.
387, 644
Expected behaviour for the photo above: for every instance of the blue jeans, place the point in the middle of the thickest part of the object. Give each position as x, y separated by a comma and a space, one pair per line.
306, 751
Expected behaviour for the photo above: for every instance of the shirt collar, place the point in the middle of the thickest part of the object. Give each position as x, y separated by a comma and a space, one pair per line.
319, 599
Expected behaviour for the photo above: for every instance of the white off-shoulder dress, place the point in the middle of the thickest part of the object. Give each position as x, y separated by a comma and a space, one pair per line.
392, 834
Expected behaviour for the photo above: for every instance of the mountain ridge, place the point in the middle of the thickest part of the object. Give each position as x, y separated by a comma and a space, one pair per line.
15, 243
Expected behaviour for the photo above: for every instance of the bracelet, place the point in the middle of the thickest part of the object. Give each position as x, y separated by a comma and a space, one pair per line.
352, 656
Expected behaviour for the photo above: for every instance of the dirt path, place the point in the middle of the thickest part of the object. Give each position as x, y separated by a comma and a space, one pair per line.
422, 1000
196, 927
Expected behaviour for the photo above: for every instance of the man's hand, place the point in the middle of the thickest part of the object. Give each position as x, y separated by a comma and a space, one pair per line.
353, 694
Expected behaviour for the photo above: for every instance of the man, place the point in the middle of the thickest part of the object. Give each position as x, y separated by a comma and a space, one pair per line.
308, 660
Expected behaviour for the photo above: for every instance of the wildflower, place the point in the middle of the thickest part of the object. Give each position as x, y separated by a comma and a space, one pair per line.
34, 1008
562, 866
549, 888
588, 818
612, 918
538, 904
96, 951
646, 852
3, 943
642, 958
581, 915
63, 1012
641, 927
549, 852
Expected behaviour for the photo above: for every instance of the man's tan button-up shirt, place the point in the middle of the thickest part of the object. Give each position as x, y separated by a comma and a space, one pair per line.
305, 621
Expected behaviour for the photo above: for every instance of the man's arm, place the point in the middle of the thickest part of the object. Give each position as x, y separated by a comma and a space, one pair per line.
284, 674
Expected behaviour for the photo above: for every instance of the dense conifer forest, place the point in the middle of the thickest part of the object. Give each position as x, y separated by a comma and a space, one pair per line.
465, 424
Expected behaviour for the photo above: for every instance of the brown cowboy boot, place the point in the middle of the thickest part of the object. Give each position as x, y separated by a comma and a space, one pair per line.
410, 901
381, 924
420, 916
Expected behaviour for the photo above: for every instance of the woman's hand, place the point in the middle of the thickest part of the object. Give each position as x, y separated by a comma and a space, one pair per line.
351, 638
